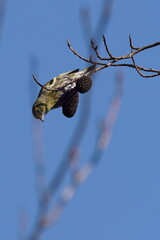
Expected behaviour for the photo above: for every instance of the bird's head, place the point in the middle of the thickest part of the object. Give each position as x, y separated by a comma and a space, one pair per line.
39, 110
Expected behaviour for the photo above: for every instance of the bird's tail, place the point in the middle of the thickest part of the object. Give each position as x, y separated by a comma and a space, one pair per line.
89, 71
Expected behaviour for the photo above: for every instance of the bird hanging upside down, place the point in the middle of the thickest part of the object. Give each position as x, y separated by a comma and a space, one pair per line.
62, 91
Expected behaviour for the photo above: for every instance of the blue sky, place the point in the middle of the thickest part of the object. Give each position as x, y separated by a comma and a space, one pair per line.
120, 200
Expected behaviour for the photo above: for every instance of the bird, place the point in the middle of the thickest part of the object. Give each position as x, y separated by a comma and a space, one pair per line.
63, 91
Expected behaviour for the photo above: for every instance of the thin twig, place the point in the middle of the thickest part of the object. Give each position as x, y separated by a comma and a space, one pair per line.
35, 78
84, 59
107, 50
131, 44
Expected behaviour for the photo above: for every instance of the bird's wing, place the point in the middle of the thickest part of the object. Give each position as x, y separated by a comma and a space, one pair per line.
63, 80
74, 71
68, 73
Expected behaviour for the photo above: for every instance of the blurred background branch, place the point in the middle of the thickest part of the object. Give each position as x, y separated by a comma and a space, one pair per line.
37, 134
3, 4
82, 173
70, 160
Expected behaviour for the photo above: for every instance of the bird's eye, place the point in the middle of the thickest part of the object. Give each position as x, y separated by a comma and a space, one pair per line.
38, 112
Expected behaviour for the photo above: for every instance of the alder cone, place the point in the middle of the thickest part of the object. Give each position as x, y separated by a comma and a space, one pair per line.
70, 103
84, 84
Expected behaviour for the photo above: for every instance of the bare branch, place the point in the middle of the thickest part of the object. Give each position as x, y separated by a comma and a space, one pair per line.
111, 61
34, 77
78, 55
95, 50
131, 44
107, 50
146, 70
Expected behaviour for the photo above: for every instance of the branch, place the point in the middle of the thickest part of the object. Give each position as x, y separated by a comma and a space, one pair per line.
84, 59
35, 79
111, 60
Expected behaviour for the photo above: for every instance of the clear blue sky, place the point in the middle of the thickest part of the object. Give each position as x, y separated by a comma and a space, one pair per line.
121, 199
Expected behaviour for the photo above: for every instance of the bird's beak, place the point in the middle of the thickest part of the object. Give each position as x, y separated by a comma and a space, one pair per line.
42, 118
